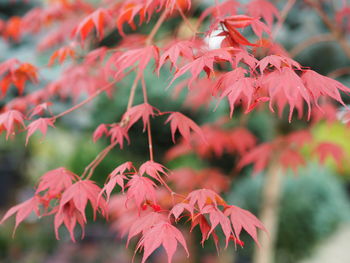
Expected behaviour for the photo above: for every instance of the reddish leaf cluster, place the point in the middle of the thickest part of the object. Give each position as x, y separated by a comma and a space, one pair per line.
219, 61
64, 194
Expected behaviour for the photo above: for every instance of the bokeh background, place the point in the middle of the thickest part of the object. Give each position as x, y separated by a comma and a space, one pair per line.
314, 215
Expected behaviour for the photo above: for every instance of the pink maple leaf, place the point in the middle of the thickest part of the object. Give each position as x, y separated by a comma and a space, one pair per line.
153, 169
174, 51
116, 177
163, 234
23, 210
144, 111
56, 181
140, 189
217, 217
96, 20
180, 122
80, 193
264, 9
329, 149
118, 134
99, 132
9, 120
40, 124
243, 219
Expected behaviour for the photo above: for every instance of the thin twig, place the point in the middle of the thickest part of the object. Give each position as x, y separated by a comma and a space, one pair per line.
284, 13
149, 132
90, 98
339, 72
335, 30
156, 27
309, 42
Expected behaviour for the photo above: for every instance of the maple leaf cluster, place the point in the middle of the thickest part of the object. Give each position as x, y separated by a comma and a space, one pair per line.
246, 68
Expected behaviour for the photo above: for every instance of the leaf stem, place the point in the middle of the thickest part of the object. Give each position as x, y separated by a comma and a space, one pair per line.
99, 158
284, 14
335, 31
90, 98
149, 132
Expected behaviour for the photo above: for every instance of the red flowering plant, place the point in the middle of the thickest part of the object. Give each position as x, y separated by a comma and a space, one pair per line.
230, 55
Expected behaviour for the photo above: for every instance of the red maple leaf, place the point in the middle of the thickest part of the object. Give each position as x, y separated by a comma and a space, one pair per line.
127, 13
96, 20
163, 234
80, 193
203, 197
99, 132
142, 56
18, 74
61, 54
56, 181
69, 216
116, 177
217, 217
285, 86
325, 150
199, 219
118, 134
319, 85
264, 9
40, 124
203, 62
153, 169
174, 51
144, 111
260, 156
243, 219
140, 189
180, 122
242, 90
144, 222
39, 109
278, 62
9, 120
23, 210
290, 158
179, 208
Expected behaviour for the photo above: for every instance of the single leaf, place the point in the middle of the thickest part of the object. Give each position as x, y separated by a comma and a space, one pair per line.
163, 234
99, 132
153, 169
22, 211
141, 189
9, 120
184, 125
118, 134
40, 124
56, 181
80, 193
144, 111
243, 219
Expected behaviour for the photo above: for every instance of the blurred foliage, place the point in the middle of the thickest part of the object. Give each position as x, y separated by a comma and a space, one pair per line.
313, 205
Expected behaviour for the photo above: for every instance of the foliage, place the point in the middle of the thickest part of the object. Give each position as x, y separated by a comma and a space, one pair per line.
236, 59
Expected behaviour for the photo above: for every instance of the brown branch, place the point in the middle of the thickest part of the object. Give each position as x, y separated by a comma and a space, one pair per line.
339, 72
309, 42
149, 132
284, 14
90, 98
272, 191
156, 27
335, 31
